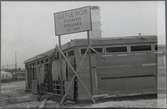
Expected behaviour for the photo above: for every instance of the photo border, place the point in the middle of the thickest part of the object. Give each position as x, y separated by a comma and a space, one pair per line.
92, 1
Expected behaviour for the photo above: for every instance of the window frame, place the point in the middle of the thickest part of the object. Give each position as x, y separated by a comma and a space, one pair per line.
156, 47
69, 53
92, 52
124, 46
141, 45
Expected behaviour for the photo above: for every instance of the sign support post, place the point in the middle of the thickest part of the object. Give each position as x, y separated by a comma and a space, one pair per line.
90, 65
60, 57
74, 21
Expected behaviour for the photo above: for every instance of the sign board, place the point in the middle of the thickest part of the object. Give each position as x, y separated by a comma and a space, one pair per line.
72, 21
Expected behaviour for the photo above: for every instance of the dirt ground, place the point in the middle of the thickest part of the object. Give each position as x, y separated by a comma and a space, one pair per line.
13, 93
15, 96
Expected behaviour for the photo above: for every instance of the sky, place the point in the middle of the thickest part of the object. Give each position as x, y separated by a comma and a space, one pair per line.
27, 28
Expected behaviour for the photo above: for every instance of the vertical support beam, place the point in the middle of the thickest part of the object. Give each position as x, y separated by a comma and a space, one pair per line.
31, 77
26, 77
90, 64
76, 74
60, 58
15, 66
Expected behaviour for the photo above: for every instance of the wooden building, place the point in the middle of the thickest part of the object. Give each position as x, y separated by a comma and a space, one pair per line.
120, 67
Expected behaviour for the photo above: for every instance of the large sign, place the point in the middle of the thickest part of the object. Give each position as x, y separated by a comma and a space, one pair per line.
72, 21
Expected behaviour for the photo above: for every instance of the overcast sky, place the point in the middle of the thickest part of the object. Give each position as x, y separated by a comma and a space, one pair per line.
28, 27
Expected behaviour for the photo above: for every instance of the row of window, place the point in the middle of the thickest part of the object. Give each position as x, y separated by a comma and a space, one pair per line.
39, 62
108, 50
122, 49
112, 49
70, 53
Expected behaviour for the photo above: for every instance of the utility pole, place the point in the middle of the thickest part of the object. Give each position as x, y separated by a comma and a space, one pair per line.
15, 65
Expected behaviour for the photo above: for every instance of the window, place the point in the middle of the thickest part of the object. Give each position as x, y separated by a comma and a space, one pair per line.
38, 62
66, 71
141, 48
100, 50
156, 47
46, 60
91, 51
116, 49
41, 61
57, 56
97, 50
83, 50
46, 67
71, 53
65, 53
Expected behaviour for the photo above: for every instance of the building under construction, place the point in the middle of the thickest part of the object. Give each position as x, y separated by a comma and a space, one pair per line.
119, 67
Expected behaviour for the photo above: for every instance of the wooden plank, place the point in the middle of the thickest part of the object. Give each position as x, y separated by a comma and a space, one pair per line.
124, 70
128, 84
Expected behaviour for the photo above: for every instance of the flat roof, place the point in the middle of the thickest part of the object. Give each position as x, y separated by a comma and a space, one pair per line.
99, 42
